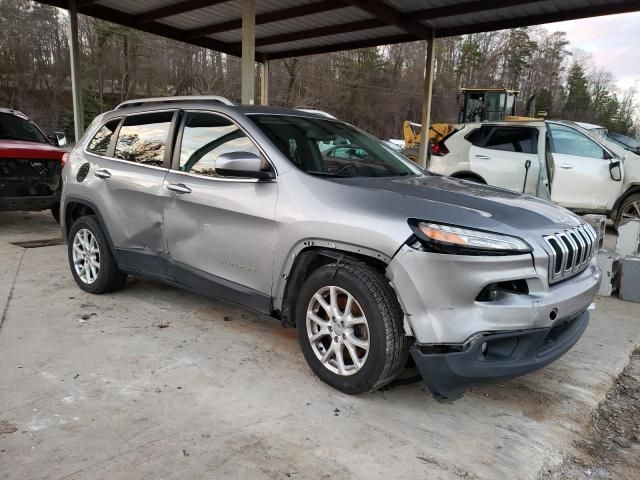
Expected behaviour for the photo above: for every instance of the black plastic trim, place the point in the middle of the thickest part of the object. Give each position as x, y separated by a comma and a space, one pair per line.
448, 375
163, 268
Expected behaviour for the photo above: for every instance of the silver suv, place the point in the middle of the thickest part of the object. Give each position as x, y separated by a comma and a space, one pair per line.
317, 223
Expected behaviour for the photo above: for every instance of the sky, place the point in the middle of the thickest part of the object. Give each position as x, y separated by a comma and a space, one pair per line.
613, 42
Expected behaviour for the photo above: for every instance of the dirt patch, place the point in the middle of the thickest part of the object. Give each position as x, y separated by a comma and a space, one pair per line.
535, 404
47, 242
7, 427
610, 447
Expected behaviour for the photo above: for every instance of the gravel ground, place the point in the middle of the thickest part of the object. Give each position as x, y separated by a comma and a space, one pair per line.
610, 447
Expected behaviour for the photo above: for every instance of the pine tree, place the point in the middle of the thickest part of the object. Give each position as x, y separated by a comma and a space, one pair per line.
578, 100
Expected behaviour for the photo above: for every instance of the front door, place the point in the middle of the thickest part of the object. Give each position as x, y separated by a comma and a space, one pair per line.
506, 157
220, 231
580, 177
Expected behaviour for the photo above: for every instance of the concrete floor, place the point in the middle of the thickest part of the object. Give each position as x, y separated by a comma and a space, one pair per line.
153, 382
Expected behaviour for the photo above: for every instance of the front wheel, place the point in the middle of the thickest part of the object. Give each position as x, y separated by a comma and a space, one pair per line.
629, 210
92, 264
350, 328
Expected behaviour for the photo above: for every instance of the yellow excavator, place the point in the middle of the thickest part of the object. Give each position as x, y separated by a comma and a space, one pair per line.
475, 105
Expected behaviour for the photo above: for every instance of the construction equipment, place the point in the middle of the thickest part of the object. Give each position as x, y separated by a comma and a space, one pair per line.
475, 105
412, 136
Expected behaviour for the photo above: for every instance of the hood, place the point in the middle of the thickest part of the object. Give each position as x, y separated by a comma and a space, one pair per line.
459, 202
24, 149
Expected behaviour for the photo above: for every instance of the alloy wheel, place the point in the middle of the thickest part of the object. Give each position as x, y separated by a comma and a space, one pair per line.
338, 330
632, 212
86, 256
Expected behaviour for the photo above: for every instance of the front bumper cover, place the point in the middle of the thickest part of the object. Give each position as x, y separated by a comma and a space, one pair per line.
506, 355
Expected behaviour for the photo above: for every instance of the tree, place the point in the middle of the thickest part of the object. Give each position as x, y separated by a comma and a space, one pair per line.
578, 99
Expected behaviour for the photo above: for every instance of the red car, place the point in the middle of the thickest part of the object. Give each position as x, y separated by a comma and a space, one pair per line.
30, 165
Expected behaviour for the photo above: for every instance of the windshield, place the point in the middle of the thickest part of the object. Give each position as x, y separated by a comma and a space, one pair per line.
332, 149
16, 128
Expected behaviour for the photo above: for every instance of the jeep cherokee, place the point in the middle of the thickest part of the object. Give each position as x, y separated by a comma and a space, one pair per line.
372, 259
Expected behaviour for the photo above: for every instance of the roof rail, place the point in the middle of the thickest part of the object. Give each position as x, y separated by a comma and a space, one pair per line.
186, 98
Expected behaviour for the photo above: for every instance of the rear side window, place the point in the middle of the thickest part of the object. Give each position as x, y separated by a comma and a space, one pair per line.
510, 139
100, 142
477, 137
143, 138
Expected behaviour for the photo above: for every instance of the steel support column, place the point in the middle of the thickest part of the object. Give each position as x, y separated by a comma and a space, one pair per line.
74, 57
248, 51
264, 84
426, 105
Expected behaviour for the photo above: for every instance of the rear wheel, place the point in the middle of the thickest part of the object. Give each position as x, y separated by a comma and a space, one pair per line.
350, 328
411, 154
92, 264
629, 210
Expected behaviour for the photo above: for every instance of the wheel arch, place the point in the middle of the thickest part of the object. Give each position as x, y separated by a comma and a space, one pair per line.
466, 174
307, 257
76, 207
634, 188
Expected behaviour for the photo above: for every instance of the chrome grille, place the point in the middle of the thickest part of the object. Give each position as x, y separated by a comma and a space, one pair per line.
571, 251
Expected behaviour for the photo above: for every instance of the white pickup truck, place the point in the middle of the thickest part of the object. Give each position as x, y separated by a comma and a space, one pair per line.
555, 160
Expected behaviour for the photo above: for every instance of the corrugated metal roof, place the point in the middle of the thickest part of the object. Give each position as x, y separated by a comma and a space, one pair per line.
328, 40
297, 27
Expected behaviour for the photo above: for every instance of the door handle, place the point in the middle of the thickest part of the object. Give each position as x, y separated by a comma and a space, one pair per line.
566, 166
483, 157
179, 188
103, 173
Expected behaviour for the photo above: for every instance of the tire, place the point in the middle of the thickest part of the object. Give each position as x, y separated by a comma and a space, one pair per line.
411, 154
86, 235
372, 300
629, 208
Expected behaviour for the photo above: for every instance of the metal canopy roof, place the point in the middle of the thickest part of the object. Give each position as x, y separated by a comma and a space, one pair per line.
288, 28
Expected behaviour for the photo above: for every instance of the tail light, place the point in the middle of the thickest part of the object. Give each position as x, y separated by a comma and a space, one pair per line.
439, 149
63, 160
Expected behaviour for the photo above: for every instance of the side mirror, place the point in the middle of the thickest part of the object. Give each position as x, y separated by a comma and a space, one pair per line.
59, 139
241, 164
615, 171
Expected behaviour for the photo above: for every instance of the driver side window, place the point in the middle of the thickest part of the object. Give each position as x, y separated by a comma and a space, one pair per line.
205, 137
567, 141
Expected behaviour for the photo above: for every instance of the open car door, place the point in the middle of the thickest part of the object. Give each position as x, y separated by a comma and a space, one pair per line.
579, 170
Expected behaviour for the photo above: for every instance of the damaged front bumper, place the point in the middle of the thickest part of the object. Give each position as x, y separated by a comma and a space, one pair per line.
479, 319
492, 357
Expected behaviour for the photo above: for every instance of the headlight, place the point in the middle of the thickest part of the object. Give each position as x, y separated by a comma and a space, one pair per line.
441, 238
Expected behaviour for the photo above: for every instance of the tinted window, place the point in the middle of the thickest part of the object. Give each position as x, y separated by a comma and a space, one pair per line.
13, 127
205, 137
100, 142
510, 139
568, 141
477, 137
142, 138
302, 141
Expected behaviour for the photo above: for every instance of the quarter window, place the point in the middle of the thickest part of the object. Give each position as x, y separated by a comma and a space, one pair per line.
205, 137
567, 141
100, 142
143, 138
